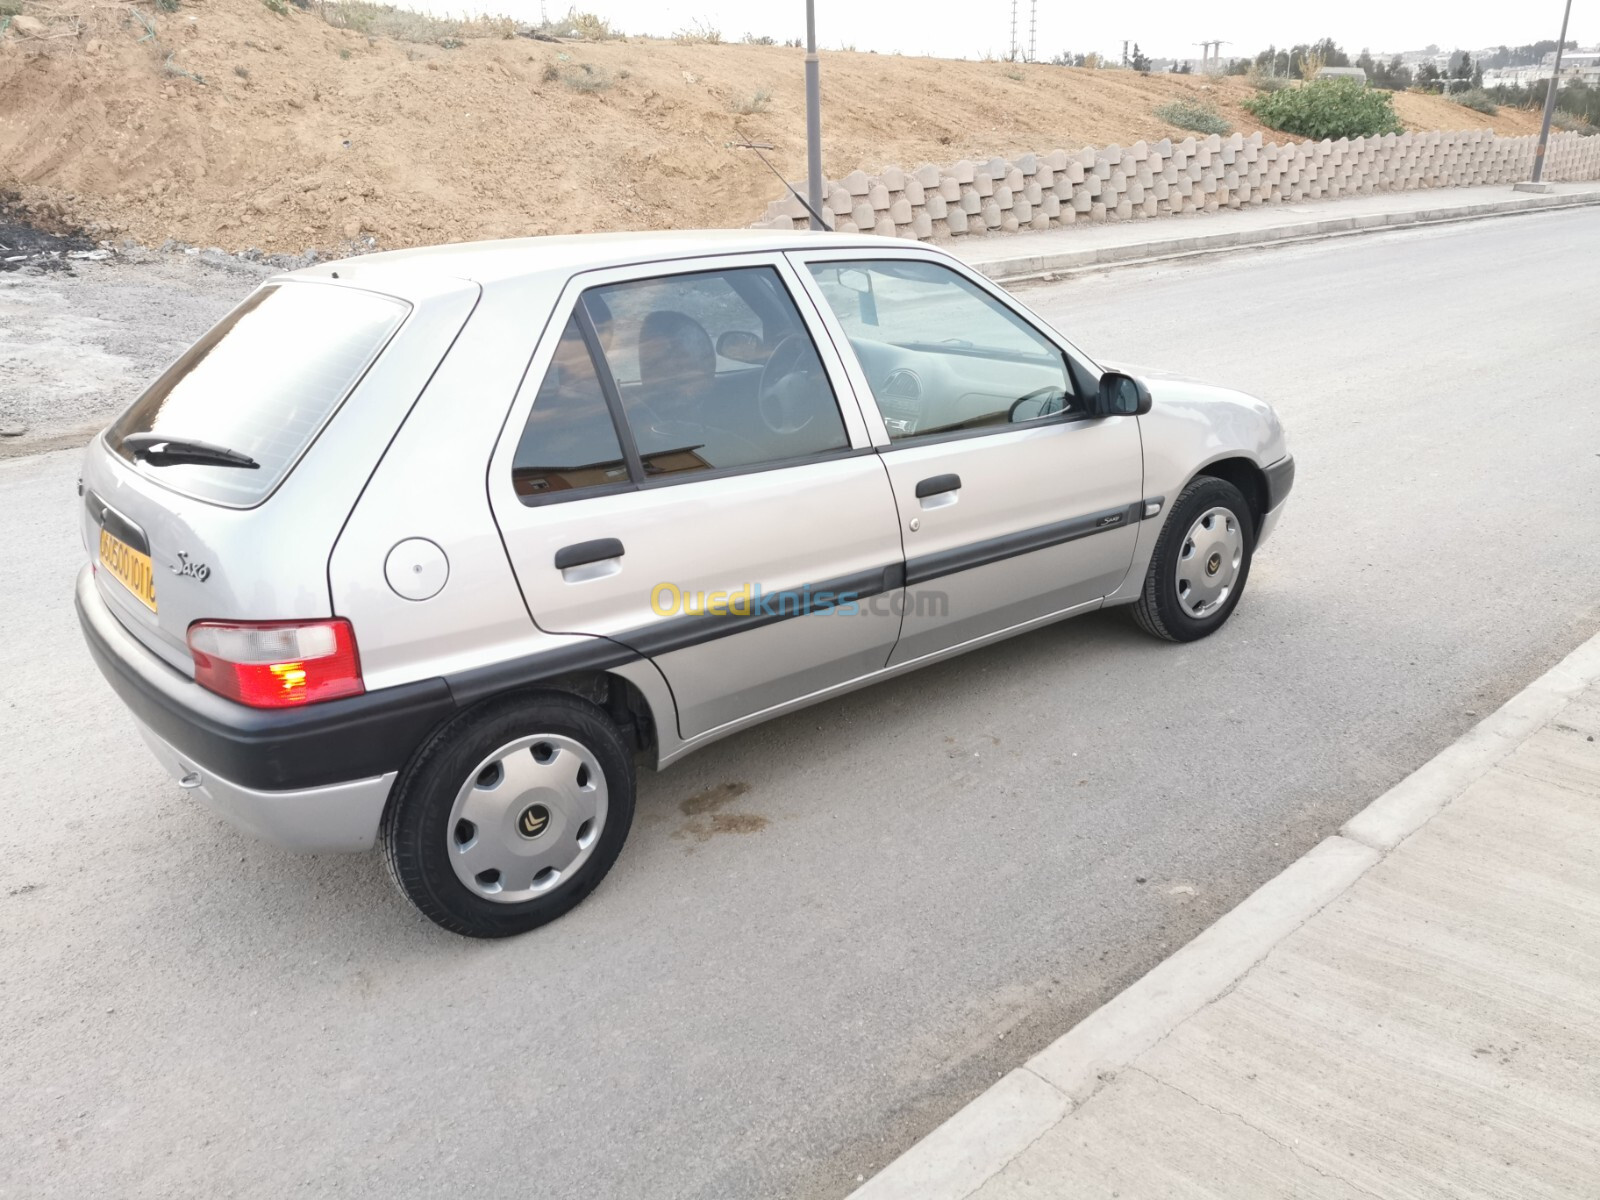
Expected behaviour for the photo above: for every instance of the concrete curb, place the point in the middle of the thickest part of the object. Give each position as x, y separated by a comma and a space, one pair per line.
975, 1144
1022, 268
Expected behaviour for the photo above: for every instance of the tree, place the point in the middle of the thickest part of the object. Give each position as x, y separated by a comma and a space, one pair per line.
1182, 68
1305, 62
1139, 62
1327, 50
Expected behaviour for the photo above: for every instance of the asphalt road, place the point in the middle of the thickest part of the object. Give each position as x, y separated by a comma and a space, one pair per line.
938, 875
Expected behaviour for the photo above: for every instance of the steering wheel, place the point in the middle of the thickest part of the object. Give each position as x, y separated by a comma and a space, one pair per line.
774, 399
1045, 410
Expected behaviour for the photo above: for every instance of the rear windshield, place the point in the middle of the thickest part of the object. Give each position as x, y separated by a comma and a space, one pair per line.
262, 383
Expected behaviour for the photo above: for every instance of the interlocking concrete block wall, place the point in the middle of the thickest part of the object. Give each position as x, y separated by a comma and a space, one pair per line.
1150, 179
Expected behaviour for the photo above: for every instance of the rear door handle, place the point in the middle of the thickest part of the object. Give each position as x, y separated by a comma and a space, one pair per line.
582, 554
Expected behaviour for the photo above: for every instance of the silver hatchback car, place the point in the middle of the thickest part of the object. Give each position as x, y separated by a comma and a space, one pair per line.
425, 549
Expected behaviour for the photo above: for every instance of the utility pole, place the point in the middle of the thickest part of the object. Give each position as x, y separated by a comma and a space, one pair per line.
1550, 99
1033, 31
1211, 53
813, 119
1012, 57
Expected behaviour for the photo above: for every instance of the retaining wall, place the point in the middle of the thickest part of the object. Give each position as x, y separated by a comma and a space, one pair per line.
1150, 179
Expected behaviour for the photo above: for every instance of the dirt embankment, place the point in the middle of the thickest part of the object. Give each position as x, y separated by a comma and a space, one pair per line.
226, 123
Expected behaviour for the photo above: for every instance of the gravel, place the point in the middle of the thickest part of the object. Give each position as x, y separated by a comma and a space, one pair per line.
81, 338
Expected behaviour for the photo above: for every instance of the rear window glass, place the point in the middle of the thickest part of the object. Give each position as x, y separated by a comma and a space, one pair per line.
261, 384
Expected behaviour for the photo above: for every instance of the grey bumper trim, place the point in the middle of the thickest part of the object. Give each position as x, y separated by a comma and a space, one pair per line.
342, 817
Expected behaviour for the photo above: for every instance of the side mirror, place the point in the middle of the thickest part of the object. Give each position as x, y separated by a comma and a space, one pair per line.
741, 346
1121, 396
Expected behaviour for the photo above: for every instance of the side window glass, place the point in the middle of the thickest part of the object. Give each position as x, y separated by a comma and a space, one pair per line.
941, 354
570, 441
715, 369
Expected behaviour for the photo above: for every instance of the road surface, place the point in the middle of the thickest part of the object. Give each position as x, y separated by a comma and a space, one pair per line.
933, 877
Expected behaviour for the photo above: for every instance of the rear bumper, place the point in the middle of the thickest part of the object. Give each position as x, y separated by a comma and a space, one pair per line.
340, 817
255, 758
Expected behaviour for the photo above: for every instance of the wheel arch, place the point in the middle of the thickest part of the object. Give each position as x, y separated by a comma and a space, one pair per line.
1244, 474
619, 697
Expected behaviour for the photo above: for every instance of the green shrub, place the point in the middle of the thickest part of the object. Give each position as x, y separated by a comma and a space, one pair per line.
698, 31
592, 27
1477, 100
754, 104
1190, 114
1262, 82
403, 24
1328, 108
586, 78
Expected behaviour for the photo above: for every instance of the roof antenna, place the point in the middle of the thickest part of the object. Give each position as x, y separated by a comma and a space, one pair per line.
758, 147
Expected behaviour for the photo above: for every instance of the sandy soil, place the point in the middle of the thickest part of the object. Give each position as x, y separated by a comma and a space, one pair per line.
303, 135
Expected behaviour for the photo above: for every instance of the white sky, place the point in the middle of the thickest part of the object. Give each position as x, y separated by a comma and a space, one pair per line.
1163, 28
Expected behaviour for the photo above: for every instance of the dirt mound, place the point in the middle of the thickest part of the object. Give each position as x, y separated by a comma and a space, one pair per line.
226, 122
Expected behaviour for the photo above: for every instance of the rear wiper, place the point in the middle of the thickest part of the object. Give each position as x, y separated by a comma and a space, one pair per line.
159, 450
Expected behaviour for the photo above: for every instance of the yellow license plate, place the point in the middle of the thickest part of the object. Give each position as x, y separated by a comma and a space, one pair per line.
129, 567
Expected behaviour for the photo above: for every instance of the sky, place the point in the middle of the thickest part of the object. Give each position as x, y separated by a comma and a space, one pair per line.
1163, 28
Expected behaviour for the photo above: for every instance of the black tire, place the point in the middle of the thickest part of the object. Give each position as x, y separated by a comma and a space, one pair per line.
1158, 610
414, 831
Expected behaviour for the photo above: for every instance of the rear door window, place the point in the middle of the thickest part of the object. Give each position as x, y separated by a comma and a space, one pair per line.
570, 442
715, 370
262, 383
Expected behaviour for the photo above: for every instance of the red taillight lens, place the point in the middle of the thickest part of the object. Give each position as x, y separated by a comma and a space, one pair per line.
276, 664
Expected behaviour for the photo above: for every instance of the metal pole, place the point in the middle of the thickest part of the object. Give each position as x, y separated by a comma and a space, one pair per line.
1550, 100
813, 119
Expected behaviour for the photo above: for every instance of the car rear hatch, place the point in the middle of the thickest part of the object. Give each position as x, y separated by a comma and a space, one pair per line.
221, 490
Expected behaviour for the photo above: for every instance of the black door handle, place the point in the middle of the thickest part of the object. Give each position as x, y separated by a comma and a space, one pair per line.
935, 484
587, 552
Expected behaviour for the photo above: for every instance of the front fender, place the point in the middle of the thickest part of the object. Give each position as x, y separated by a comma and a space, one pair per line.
1192, 426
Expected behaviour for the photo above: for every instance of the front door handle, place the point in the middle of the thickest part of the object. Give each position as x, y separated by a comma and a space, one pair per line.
582, 554
938, 491
936, 484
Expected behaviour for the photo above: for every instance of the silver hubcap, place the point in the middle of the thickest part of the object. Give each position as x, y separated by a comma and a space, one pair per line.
1208, 562
527, 818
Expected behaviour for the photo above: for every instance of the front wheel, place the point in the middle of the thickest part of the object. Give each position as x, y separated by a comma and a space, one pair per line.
511, 814
1200, 564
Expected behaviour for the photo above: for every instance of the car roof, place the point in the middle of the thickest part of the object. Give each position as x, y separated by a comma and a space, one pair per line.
486, 262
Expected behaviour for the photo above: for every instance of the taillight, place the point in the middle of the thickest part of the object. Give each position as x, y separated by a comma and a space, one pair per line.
276, 664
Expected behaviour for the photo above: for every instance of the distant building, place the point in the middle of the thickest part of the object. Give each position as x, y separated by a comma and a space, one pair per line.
1578, 64
1575, 64
1342, 73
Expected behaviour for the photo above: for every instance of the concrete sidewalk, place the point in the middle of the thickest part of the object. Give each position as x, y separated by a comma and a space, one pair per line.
1021, 256
1412, 1009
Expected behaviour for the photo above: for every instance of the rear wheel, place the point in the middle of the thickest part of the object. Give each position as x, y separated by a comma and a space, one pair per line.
1200, 564
511, 814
